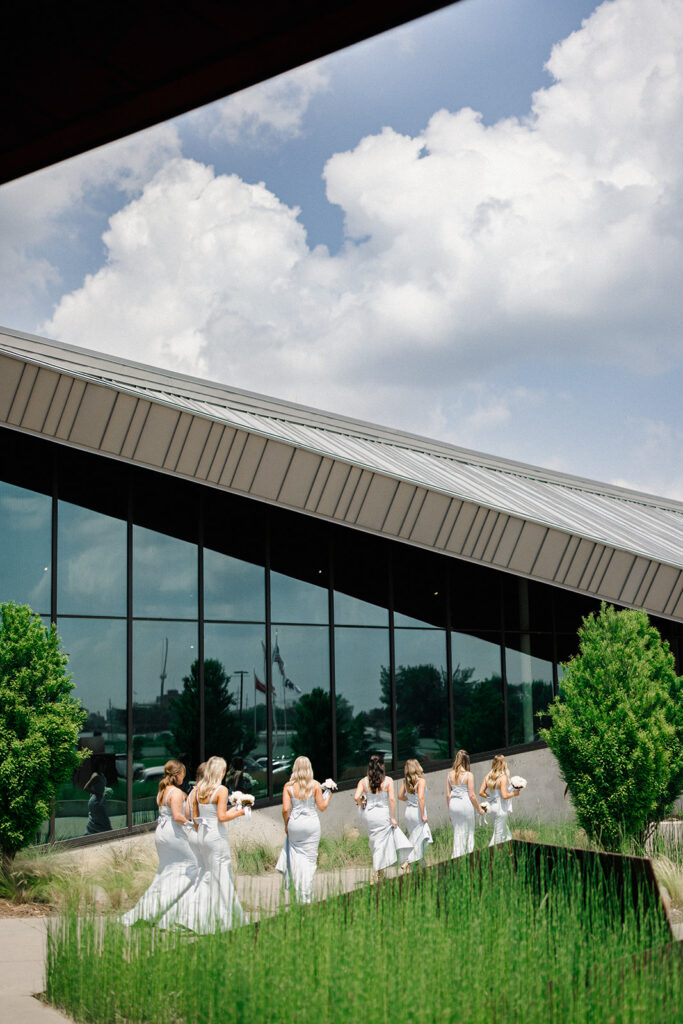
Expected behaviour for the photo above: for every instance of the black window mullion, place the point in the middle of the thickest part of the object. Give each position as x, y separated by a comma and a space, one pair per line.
503, 666
53, 592
333, 681
129, 659
268, 671
392, 667
200, 635
449, 669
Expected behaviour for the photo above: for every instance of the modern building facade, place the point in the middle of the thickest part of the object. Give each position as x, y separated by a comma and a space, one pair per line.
233, 574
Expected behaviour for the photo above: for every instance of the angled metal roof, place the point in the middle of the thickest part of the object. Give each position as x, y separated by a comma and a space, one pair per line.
600, 540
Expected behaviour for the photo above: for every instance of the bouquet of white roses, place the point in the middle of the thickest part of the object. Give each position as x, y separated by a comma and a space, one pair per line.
329, 784
517, 782
239, 799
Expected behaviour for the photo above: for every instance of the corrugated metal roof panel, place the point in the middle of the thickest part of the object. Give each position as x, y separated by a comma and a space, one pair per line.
642, 524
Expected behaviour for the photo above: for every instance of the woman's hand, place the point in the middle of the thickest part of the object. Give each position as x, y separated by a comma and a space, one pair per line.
424, 818
394, 823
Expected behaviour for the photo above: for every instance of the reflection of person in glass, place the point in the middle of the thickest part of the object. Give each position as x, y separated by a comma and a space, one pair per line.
237, 778
98, 817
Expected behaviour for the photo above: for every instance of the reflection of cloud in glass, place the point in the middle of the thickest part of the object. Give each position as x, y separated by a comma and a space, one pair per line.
92, 562
25, 551
148, 657
296, 601
232, 589
97, 653
360, 655
164, 575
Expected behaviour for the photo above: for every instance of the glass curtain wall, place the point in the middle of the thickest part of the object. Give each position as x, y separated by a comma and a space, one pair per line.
353, 645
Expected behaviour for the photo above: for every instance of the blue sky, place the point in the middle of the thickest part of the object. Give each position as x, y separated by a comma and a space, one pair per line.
470, 228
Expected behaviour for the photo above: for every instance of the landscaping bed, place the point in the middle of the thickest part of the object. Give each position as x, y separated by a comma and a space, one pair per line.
507, 935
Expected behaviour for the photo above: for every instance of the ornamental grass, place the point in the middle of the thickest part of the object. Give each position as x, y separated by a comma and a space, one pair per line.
493, 939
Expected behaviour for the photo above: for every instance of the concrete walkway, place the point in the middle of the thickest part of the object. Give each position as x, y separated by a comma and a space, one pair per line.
22, 972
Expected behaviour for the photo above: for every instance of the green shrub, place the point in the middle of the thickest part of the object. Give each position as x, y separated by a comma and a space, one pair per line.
617, 729
39, 723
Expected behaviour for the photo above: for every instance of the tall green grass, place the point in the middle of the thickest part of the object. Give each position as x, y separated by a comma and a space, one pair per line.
497, 944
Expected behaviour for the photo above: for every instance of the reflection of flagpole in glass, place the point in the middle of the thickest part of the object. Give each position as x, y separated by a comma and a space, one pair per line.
272, 690
164, 662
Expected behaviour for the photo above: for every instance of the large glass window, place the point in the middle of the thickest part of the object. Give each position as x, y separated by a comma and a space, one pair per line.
92, 562
529, 671
478, 719
421, 693
95, 799
164, 576
351, 611
301, 699
165, 706
363, 698
25, 550
293, 600
235, 695
233, 589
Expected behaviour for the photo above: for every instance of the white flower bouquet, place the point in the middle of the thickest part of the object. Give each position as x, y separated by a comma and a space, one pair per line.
329, 784
239, 799
517, 782
484, 804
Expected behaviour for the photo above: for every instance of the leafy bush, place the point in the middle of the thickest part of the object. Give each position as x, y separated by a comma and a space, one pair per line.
39, 723
617, 729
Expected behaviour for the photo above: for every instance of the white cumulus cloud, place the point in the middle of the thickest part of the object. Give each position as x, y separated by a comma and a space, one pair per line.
556, 236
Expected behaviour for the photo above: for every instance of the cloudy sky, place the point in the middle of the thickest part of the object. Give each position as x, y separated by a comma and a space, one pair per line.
470, 228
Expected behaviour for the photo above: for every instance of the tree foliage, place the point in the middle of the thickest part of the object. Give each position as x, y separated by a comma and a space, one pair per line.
617, 729
39, 725
225, 735
312, 729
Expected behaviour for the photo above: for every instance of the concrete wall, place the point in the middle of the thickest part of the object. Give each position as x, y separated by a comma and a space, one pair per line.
543, 799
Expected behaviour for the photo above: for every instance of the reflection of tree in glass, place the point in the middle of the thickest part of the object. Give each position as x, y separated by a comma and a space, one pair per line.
225, 735
312, 734
421, 702
477, 711
540, 695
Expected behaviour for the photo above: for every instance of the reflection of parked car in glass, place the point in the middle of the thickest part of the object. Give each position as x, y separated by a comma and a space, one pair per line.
153, 774
122, 767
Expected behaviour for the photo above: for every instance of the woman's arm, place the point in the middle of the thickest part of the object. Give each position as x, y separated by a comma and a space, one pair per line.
175, 802
470, 792
448, 789
421, 790
392, 802
320, 802
286, 806
507, 794
359, 791
402, 792
222, 811
483, 789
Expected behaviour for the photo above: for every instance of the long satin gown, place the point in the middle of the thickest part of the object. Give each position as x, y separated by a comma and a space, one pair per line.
211, 904
387, 844
299, 856
461, 813
499, 810
419, 832
175, 875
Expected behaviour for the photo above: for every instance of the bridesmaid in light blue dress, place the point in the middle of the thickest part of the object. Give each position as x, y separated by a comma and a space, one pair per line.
177, 869
302, 799
211, 904
375, 797
462, 803
412, 791
500, 800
